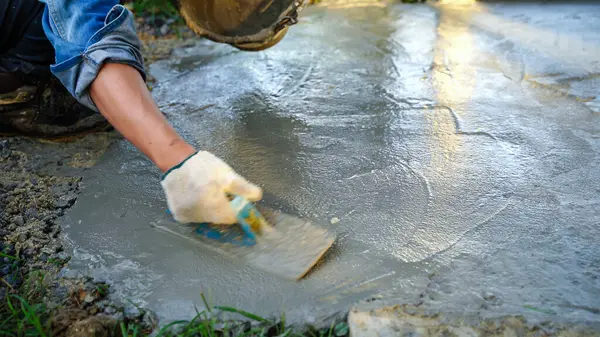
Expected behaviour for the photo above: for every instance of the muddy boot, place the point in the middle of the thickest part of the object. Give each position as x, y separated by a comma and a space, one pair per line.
245, 24
43, 108
14, 89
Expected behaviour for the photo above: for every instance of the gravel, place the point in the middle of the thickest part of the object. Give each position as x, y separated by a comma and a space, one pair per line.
30, 204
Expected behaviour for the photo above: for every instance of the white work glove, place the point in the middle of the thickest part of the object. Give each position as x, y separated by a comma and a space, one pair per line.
197, 189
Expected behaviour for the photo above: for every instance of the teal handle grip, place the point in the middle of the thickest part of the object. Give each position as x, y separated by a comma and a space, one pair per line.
244, 208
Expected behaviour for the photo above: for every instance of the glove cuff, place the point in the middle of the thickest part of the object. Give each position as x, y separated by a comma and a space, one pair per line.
177, 166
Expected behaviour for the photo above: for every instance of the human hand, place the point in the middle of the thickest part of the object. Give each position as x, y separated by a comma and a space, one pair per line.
197, 189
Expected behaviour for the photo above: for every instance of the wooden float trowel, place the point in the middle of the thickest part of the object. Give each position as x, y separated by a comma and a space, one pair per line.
278, 243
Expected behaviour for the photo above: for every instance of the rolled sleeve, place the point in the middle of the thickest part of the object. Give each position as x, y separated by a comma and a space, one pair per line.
85, 36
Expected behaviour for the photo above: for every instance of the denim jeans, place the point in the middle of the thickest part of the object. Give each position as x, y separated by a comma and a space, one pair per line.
86, 34
72, 38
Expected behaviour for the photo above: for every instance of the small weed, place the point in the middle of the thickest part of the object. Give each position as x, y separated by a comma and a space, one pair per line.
153, 9
20, 318
341, 329
33, 287
130, 330
545, 311
25, 315
245, 314
102, 289
57, 262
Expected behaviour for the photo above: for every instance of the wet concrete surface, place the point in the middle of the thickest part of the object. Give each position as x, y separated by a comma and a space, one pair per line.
458, 145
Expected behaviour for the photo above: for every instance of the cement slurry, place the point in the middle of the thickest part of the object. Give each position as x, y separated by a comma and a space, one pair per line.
458, 145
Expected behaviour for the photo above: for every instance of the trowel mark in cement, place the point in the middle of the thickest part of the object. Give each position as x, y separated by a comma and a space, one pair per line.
300, 82
476, 227
512, 66
560, 84
457, 122
351, 286
420, 176
423, 180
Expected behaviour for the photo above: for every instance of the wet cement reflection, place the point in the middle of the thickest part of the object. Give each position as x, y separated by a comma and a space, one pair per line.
400, 121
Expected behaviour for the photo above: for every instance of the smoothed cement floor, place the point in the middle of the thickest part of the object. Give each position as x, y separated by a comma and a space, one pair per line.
458, 145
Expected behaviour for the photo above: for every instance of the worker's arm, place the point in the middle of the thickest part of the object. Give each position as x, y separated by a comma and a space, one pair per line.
120, 94
195, 183
108, 76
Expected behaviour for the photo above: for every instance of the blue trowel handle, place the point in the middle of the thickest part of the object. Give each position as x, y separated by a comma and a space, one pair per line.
243, 209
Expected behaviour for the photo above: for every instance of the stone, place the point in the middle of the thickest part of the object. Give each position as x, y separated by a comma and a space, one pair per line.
22, 237
69, 273
18, 220
31, 213
89, 298
61, 292
164, 29
63, 256
489, 296
29, 252
66, 201
11, 279
50, 249
392, 321
64, 318
149, 321
110, 310
131, 311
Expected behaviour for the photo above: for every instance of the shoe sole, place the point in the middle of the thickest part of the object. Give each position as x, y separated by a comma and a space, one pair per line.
68, 133
62, 138
21, 95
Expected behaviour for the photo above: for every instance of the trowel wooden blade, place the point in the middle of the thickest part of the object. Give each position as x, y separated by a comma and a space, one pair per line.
289, 250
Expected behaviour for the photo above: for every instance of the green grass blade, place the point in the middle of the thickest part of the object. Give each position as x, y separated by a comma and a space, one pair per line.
546, 311
31, 316
166, 328
341, 329
205, 302
123, 330
11, 317
282, 323
5, 333
295, 334
2, 254
244, 313
10, 306
135, 331
286, 333
209, 328
331, 329
251, 332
